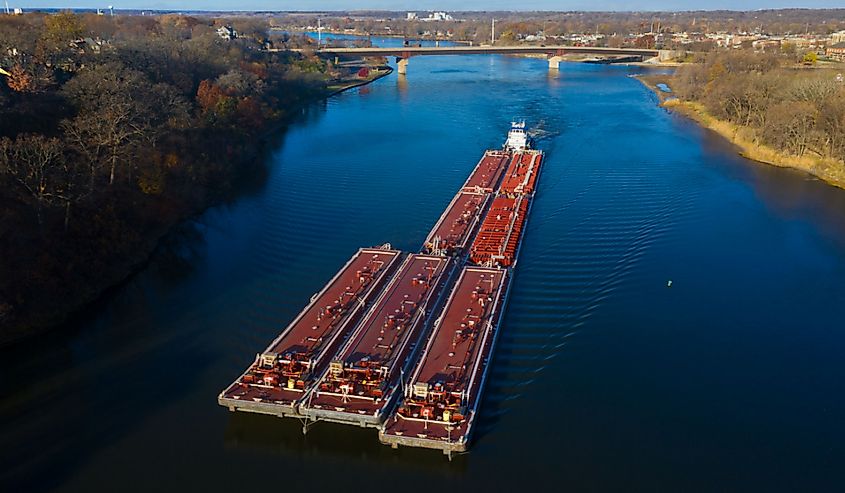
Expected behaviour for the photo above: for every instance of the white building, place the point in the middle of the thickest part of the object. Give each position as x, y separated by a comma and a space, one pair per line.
227, 32
438, 16
411, 16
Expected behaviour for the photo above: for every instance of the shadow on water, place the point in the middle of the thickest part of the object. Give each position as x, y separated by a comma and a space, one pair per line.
789, 193
62, 399
82, 382
284, 437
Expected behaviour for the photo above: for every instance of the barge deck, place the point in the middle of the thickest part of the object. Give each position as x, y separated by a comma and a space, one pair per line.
360, 385
442, 397
283, 374
487, 173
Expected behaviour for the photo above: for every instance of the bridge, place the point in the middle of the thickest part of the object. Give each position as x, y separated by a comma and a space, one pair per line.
555, 53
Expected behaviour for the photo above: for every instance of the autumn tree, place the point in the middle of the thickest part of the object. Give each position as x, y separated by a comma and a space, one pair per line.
20, 80
63, 27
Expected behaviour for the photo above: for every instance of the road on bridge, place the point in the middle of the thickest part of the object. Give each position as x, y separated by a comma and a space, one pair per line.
409, 51
555, 53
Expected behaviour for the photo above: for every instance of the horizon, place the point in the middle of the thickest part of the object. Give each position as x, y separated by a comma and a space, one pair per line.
475, 6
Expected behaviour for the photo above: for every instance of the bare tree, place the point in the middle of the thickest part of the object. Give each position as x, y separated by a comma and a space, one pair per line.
39, 168
115, 110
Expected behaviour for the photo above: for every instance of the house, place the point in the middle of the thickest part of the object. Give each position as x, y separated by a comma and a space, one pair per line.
227, 32
836, 52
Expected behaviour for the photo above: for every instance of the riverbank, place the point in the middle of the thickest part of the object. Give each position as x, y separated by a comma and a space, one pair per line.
745, 139
27, 319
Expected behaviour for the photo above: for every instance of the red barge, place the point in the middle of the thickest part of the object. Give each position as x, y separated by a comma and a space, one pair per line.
360, 385
441, 400
282, 375
457, 226
442, 396
379, 334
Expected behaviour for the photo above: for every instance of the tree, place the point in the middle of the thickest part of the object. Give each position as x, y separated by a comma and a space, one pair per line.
831, 122
615, 41
788, 48
20, 80
114, 112
790, 126
63, 27
38, 166
208, 95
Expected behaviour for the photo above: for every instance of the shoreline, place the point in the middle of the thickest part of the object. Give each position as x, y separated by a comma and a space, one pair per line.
742, 138
122, 273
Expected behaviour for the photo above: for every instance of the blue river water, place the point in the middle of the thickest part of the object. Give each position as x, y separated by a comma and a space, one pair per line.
606, 377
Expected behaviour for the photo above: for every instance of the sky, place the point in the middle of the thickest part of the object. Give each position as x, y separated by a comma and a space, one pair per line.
423, 5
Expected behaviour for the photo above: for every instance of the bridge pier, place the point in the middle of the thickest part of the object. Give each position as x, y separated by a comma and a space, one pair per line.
402, 65
554, 62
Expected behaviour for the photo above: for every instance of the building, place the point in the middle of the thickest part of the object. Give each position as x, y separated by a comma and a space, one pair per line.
836, 52
437, 16
227, 32
411, 16
837, 37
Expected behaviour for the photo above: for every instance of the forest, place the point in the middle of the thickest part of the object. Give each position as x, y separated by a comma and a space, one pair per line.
113, 129
792, 108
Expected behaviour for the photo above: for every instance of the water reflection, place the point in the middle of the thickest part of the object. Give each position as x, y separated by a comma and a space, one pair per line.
285, 438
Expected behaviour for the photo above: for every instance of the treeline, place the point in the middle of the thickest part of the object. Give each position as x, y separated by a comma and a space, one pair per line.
798, 111
476, 26
114, 128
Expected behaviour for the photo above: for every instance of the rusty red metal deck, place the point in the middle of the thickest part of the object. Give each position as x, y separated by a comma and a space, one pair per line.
453, 231
456, 226
441, 398
521, 176
361, 383
284, 372
499, 235
487, 173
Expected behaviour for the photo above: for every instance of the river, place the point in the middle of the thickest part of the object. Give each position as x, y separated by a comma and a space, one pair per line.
606, 377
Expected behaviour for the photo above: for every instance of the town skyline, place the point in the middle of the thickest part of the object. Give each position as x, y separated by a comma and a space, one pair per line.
432, 5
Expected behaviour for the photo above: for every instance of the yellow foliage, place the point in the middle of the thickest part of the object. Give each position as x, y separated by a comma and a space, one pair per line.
151, 180
171, 160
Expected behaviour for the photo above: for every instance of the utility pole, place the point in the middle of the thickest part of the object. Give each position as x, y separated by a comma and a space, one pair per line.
493, 33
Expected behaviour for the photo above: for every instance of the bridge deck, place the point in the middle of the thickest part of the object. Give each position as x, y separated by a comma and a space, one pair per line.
408, 51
